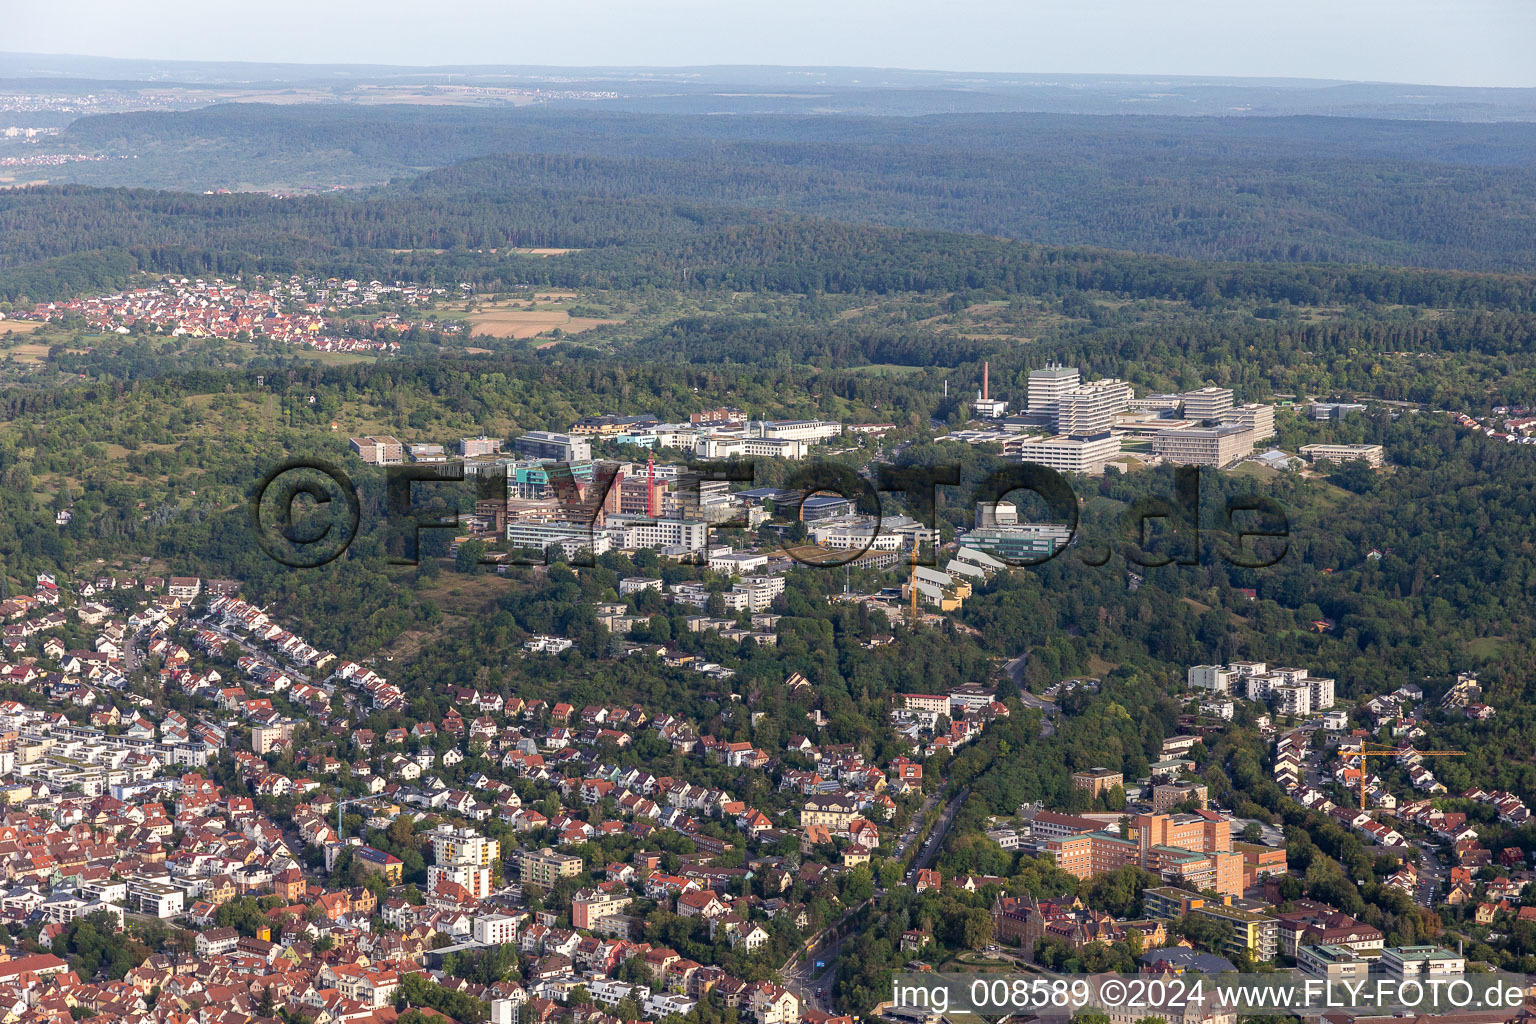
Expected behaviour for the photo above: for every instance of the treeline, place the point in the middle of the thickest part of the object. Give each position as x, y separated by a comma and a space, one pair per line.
630, 243
1215, 188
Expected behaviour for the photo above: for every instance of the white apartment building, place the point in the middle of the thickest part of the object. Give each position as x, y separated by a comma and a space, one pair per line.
1292, 698
475, 879
463, 846
1294, 690
495, 929
1216, 678
157, 899
1070, 455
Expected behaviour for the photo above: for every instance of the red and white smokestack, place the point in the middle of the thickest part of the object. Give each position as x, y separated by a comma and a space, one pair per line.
986, 370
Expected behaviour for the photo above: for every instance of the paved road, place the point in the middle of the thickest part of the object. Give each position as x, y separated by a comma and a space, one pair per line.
936, 837
1049, 711
812, 983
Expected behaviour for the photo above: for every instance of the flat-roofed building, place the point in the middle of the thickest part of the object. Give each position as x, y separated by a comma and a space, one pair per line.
1253, 933
1421, 962
1207, 403
1336, 963
1168, 795
1088, 410
543, 868
1258, 418
1097, 780
1048, 384
379, 450
1048, 825
1370, 454
1205, 446
427, 453
1216, 678
1064, 454
1024, 542
544, 444
471, 447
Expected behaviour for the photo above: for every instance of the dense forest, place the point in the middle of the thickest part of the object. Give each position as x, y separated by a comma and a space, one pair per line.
1306, 188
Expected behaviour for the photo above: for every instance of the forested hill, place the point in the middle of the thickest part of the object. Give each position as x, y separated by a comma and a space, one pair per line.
1305, 188
56, 241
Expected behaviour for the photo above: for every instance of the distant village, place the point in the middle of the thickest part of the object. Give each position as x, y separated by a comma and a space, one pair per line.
290, 311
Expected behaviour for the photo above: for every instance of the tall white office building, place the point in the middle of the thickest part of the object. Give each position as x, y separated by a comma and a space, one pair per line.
1207, 403
1048, 384
1088, 410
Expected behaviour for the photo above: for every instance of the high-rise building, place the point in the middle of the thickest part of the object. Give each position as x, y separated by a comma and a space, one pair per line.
1048, 384
1207, 403
1088, 410
1258, 418
463, 846
475, 880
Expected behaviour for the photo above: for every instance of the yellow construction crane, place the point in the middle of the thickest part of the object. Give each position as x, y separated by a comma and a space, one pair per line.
1391, 752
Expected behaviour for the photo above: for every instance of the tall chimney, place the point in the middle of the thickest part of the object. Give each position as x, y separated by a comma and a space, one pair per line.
986, 370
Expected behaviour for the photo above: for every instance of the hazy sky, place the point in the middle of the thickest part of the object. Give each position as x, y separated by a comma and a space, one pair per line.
1443, 42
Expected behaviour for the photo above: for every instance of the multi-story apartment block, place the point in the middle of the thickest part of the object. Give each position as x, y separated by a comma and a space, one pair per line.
463, 846
1216, 678
1168, 795
476, 880
590, 906
543, 868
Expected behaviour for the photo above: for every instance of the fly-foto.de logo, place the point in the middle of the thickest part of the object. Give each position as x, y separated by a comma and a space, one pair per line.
306, 513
